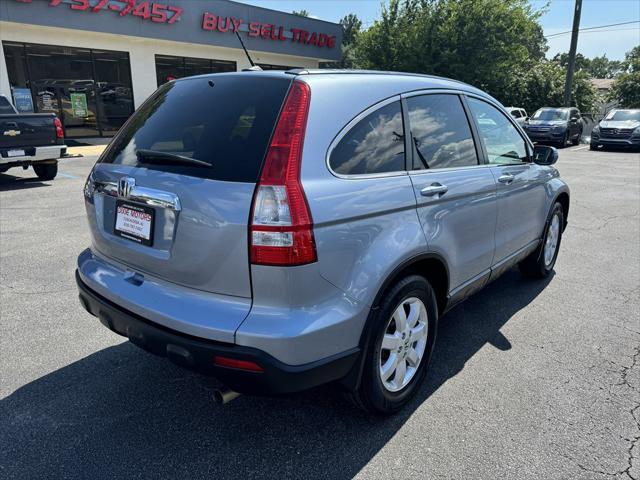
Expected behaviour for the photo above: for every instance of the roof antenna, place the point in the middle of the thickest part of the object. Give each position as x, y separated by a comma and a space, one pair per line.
254, 67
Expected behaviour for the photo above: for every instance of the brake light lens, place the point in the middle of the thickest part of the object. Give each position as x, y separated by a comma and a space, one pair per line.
281, 226
58, 124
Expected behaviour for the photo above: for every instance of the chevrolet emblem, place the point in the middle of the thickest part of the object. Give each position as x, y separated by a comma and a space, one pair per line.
11, 133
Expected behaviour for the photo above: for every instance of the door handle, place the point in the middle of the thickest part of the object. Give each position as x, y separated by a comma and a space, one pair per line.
507, 178
434, 189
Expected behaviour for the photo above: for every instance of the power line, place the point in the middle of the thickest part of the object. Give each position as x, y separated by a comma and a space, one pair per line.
591, 28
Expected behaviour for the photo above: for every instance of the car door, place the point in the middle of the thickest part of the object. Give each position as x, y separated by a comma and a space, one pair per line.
455, 194
521, 194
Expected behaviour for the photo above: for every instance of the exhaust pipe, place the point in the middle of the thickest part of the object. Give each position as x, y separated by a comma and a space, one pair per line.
223, 395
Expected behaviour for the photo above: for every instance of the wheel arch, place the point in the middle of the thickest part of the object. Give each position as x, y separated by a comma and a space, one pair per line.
429, 265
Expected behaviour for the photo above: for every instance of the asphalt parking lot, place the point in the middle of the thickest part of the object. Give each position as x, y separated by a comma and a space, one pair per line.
529, 379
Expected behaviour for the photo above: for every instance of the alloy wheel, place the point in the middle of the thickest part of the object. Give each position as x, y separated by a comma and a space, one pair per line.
403, 344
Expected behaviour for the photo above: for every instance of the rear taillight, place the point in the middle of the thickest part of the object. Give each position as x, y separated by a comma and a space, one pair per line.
58, 124
281, 230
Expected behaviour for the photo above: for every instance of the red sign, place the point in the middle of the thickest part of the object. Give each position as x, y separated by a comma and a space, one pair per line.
156, 12
163, 13
268, 31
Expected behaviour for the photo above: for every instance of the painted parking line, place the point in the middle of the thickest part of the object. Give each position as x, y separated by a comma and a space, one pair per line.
579, 148
67, 175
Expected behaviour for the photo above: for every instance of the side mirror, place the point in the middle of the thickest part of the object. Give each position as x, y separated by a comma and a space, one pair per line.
544, 155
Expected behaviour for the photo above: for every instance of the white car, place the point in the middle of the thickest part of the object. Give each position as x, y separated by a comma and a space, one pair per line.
520, 114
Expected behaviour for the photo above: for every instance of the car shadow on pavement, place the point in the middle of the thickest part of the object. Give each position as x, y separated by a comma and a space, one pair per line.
122, 412
11, 182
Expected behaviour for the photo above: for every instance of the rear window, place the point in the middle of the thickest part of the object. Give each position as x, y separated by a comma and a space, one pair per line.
225, 121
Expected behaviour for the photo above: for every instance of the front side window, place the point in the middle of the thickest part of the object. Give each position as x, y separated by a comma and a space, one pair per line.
502, 142
440, 132
374, 145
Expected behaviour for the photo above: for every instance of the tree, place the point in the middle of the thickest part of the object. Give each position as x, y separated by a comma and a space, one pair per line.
626, 88
351, 26
542, 85
597, 67
481, 42
301, 13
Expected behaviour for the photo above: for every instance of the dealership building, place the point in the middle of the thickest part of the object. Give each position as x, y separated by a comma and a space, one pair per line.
92, 62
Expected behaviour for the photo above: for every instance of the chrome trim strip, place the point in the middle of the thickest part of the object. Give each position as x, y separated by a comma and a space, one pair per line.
148, 196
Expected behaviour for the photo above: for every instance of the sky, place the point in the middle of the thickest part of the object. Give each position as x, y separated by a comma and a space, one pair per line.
612, 41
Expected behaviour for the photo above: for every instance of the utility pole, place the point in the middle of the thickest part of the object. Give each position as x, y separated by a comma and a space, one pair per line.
572, 53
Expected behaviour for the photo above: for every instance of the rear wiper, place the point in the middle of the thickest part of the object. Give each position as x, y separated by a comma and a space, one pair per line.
163, 158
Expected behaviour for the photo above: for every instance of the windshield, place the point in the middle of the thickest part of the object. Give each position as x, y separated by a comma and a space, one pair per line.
222, 122
622, 115
551, 114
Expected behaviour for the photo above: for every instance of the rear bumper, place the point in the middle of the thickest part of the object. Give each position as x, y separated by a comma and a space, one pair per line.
33, 155
197, 353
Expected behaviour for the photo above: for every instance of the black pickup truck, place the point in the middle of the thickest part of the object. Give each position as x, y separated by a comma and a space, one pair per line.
30, 139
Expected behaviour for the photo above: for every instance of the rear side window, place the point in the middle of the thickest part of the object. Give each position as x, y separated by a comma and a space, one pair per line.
225, 121
374, 145
440, 132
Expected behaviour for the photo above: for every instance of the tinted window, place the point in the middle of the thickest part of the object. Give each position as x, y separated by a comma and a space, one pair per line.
501, 140
515, 113
5, 107
227, 125
440, 132
374, 145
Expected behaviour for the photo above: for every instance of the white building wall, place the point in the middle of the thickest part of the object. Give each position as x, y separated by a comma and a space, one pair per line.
141, 51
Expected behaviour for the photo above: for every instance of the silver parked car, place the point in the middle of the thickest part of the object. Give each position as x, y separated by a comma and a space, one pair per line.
281, 230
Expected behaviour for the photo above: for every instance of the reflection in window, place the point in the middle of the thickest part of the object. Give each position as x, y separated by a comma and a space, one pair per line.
373, 145
440, 132
171, 68
502, 141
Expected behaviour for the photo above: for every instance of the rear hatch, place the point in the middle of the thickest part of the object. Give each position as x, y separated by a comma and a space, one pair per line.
27, 130
172, 194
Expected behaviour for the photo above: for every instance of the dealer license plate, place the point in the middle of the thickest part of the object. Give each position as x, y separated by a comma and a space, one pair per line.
134, 222
15, 153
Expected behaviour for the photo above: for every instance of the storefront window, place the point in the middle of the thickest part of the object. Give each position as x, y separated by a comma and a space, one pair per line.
89, 90
114, 94
170, 68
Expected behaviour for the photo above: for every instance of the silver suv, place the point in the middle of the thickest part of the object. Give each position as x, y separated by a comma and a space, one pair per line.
281, 230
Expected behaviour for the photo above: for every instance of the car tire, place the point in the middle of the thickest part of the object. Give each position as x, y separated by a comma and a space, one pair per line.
46, 171
386, 396
593, 146
576, 141
564, 141
540, 263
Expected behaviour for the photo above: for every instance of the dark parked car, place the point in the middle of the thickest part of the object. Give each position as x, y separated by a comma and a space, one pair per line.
30, 139
618, 128
555, 125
